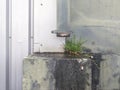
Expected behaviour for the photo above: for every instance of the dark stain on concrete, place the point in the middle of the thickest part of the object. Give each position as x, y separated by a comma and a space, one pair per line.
35, 85
32, 61
68, 75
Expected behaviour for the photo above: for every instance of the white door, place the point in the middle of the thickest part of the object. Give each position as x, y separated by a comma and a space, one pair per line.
45, 20
19, 46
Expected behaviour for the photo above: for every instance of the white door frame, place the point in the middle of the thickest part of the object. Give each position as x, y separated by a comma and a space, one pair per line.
3, 45
8, 42
31, 27
16, 43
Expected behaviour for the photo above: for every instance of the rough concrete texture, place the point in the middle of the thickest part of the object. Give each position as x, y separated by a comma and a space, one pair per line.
69, 76
58, 73
35, 74
51, 73
110, 73
97, 22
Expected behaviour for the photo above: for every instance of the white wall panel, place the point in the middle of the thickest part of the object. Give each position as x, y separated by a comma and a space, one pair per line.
19, 40
2, 44
45, 20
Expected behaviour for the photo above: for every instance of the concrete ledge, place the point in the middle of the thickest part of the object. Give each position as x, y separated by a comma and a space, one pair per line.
55, 72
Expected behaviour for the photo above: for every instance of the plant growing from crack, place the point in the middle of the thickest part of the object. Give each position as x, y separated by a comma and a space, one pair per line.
73, 46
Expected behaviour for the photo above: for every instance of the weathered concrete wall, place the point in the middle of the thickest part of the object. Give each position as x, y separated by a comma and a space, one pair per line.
36, 75
55, 73
97, 21
95, 12
110, 73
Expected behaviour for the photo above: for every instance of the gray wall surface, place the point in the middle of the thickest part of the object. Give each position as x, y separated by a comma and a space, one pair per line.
55, 72
97, 22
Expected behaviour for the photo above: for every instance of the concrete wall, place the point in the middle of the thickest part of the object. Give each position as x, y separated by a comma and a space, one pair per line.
97, 22
110, 73
94, 21
55, 72
95, 12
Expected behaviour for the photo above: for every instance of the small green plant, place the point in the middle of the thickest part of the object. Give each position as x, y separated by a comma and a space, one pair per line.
74, 46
